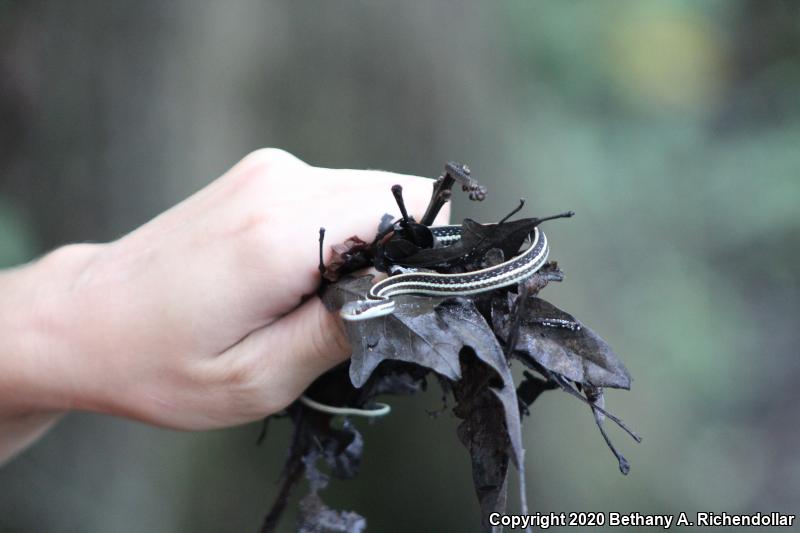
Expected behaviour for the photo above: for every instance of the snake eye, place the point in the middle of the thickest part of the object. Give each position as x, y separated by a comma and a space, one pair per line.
351, 309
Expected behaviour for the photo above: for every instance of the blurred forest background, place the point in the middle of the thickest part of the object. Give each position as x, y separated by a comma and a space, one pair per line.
672, 128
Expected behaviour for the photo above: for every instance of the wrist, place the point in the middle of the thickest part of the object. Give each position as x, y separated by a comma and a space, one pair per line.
37, 357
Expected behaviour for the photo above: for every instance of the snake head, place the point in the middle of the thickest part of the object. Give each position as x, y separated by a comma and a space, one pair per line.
366, 309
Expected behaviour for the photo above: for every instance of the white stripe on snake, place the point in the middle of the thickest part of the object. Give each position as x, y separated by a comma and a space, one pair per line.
518, 268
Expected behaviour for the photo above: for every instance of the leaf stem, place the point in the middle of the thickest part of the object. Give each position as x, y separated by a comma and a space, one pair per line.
566, 387
397, 191
321, 266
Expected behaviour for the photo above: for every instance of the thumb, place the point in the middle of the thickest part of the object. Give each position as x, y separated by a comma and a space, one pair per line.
288, 354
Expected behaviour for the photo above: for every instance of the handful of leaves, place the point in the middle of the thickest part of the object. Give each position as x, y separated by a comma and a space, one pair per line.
467, 342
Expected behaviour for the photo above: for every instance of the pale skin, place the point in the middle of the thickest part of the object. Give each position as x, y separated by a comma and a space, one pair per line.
204, 317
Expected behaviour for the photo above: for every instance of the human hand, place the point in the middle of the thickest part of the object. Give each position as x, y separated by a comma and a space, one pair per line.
202, 318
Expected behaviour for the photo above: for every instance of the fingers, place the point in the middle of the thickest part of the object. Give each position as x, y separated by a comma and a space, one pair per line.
312, 340
273, 365
346, 203
376, 186
352, 202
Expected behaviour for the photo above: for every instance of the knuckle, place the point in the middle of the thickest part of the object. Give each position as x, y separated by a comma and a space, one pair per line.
242, 389
260, 173
266, 160
237, 373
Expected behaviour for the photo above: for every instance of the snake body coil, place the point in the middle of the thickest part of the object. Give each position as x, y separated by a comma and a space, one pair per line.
518, 268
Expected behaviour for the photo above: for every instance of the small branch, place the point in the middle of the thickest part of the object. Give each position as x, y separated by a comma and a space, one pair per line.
442, 189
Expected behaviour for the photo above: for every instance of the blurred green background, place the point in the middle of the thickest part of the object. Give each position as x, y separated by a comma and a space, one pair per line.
672, 128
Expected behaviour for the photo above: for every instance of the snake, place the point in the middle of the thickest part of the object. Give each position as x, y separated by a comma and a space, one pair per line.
379, 300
